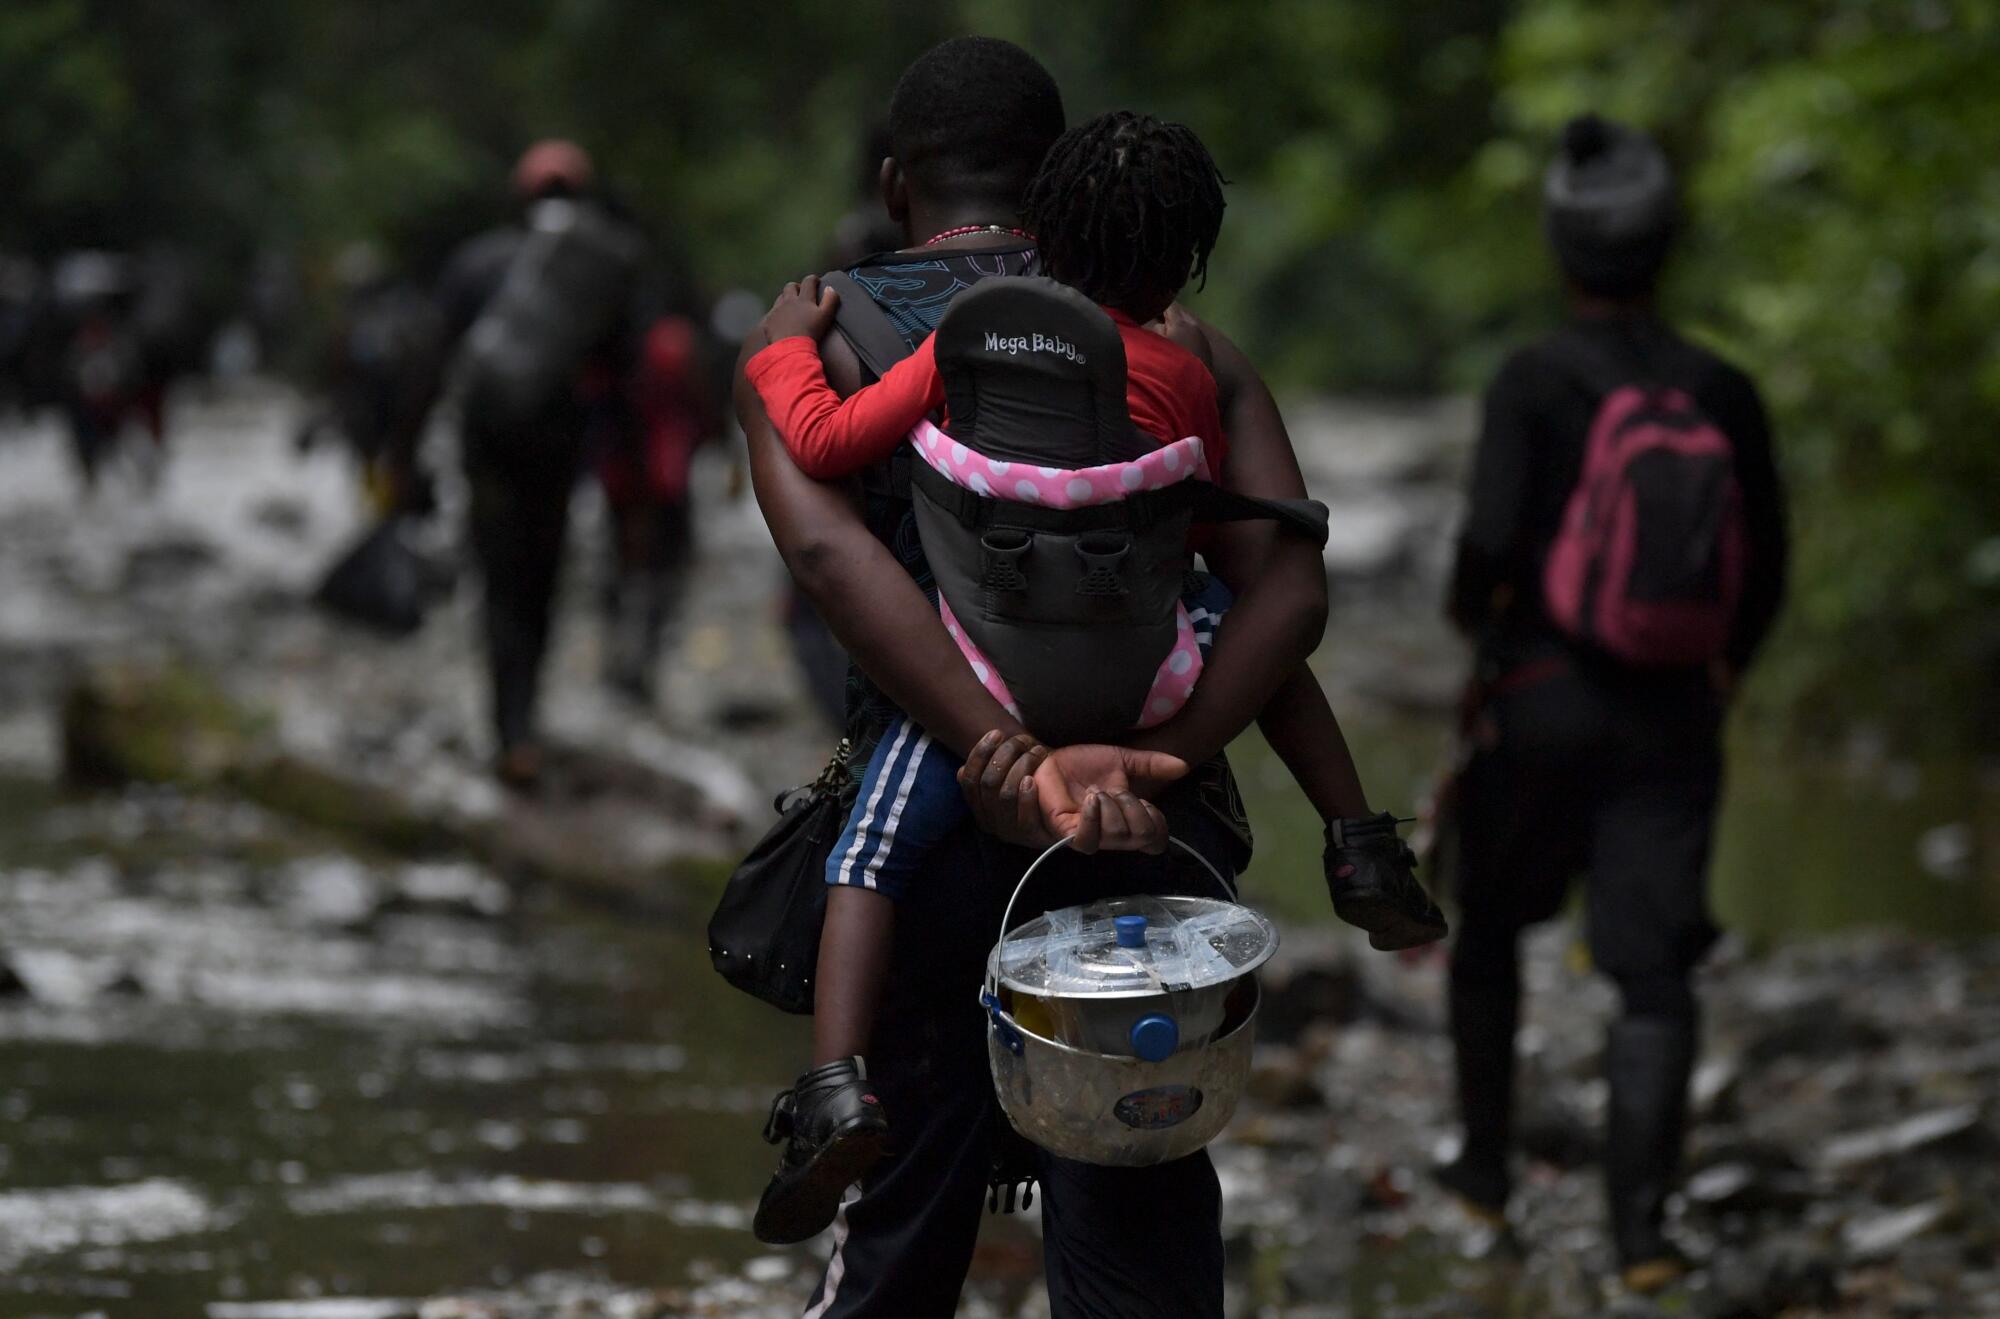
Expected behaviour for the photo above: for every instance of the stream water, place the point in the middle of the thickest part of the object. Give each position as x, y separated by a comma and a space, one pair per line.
251, 1074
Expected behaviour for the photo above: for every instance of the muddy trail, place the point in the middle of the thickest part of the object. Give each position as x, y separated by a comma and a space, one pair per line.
262, 1058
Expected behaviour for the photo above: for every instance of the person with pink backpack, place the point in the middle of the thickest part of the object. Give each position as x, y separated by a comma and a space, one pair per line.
1621, 561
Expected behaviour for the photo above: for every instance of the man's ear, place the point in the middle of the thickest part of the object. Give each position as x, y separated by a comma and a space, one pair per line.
895, 192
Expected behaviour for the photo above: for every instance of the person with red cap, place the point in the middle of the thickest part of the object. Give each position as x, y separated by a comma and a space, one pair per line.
562, 359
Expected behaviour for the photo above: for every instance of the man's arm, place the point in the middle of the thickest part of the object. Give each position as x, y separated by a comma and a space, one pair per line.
1480, 585
1279, 580
859, 588
1749, 430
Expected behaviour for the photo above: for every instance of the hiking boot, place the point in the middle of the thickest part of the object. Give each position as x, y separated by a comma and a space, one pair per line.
1371, 874
833, 1130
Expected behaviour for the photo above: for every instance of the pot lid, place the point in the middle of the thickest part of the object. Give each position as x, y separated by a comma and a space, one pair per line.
1141, 945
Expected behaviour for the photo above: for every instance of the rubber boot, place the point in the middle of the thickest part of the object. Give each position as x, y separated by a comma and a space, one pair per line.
1483, 1020
1648, 1062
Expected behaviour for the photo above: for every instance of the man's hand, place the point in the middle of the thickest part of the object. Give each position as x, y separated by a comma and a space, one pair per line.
804, 308
1023, 793
1096, 795
997, 780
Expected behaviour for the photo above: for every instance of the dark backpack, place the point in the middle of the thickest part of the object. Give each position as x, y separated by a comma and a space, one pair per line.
1649, 563
561, 295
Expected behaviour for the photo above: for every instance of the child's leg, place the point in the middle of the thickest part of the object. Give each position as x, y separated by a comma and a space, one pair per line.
909, 800
1369, 871
1297, 721
1300, 726
853, 960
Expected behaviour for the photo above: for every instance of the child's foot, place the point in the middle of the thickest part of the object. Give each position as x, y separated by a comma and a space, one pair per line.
1371, 875
833, 1130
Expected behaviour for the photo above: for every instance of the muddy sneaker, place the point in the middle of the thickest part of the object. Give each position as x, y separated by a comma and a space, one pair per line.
833, 1130
1371, 875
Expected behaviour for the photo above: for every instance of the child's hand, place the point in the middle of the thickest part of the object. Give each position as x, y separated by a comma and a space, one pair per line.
804, 308
1179, 326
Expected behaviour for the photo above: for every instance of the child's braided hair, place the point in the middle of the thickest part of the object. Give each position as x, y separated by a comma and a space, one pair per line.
1126, 209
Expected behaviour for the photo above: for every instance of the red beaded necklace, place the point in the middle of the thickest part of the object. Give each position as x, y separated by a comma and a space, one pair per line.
966, 229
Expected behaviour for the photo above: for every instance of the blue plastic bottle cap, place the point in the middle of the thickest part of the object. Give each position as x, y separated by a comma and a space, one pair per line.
1131, 931
1155, 1037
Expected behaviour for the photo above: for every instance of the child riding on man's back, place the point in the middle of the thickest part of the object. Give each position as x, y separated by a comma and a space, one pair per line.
1126, 210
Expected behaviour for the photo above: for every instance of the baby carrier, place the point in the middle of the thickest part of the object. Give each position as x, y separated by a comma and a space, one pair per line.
1057, 530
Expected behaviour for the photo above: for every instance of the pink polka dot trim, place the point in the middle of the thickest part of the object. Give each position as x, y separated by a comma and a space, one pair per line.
1056, 487
1173, 682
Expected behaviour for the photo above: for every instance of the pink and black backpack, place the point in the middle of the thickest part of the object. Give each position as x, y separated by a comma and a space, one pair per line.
1649, 563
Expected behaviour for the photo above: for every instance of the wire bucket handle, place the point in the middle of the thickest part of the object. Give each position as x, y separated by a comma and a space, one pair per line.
992, 987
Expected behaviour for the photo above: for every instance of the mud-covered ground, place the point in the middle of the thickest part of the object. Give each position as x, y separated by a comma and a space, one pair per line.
253, 1070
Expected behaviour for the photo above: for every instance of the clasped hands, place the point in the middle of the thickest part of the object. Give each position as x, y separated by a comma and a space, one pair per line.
1095, 795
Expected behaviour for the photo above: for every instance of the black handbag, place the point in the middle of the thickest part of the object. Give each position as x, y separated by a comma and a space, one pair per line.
764, 935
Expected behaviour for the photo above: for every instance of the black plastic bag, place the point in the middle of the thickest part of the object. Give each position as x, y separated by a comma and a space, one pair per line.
764, 935
385, 582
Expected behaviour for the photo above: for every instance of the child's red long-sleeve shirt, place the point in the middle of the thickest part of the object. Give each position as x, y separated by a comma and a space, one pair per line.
1170, 394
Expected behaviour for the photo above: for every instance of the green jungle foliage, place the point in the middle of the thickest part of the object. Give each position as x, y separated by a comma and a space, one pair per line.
1839, 155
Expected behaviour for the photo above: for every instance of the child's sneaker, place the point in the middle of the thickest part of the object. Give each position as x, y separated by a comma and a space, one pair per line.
1371, 874
833, 1129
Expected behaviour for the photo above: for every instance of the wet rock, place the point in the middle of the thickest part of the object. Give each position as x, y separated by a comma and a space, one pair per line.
1282, 1077
1311, 979
1778, 1274
1879, 1235
1821, 1028
1932, 1128
1744, 1186
125, 984
286, 517
1712, 1093
602, 826
162, 563
126, 723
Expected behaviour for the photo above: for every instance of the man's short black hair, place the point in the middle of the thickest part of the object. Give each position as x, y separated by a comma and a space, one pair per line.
971, 120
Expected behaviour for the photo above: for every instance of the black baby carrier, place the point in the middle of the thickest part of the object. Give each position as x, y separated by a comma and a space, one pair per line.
1057, 530
562, 294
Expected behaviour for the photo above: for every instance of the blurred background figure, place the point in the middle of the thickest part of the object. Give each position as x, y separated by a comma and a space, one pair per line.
559, 361
104, 380
645, 463
1598, 741
124, 329
382, 354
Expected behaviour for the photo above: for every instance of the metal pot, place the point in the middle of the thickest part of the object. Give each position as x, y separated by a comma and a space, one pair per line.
1125, 1053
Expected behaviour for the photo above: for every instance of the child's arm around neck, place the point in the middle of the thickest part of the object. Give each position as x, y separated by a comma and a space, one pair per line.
830, 437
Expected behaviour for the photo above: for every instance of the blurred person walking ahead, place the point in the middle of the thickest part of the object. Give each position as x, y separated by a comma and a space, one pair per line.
1622, 559
557, 367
